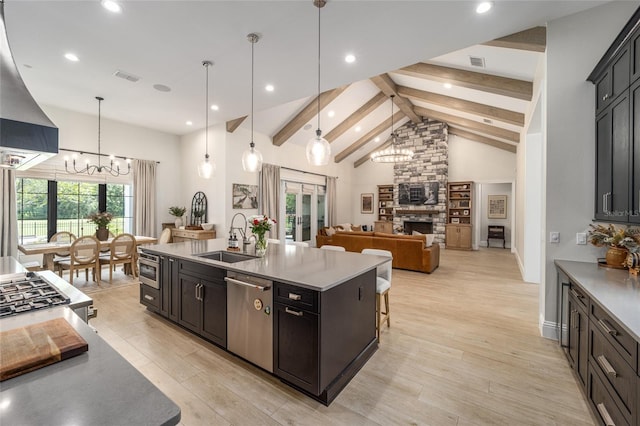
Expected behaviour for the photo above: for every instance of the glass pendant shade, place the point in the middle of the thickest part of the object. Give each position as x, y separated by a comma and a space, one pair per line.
206, 168
252, 160
318, 150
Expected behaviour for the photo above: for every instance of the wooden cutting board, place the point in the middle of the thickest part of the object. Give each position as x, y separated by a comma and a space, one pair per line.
35, 346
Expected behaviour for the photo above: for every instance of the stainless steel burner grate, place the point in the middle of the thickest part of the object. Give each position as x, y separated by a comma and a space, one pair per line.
28, 292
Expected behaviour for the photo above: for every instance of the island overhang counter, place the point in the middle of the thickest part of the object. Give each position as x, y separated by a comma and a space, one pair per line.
321, 306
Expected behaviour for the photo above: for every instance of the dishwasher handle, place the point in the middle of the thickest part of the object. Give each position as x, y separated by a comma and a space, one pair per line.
246, 284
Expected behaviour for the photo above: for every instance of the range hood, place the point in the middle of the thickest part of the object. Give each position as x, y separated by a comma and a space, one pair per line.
27, 136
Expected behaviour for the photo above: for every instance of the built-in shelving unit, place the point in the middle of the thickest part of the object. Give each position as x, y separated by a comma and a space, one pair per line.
459, 203
385, 202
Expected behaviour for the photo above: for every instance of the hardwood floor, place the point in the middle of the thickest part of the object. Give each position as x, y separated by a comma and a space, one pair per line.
463, 349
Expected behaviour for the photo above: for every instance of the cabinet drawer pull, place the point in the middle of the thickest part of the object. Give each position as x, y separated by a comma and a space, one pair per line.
608, 421
294, 296
605, 97
606, 366
607, 327
292, 312
146, 296
576, 294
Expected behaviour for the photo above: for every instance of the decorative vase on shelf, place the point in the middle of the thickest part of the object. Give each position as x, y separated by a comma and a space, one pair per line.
178, 222
261, 245
616, 256
102, 234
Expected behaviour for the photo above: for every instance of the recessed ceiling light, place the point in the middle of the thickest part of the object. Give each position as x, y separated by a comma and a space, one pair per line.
448, 85
71, 57
350, 58
307, 126
162, 88
358, 128
377, 139
189, 123
215, 107
484, 7
27, 66
111, 6
269, 88
331, 113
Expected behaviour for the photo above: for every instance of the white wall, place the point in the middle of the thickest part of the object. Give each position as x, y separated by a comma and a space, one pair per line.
80, 132
228, 149
366, 179
483, 204
574, 45
470, 160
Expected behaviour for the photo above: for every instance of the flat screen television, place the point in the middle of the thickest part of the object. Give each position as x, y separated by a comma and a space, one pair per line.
418, 194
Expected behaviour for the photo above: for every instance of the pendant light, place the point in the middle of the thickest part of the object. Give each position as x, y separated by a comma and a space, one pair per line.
392, 154
251, 158
206, 167
318, 149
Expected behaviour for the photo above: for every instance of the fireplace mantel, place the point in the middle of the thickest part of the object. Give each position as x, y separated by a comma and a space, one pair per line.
416, 212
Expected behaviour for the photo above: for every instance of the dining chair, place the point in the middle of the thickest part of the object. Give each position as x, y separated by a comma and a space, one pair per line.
299, 243
383, 285
122, 251
61, 237
83, 254
332, 248
165, 236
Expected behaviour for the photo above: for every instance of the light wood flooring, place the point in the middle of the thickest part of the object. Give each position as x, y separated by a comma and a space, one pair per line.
463, 349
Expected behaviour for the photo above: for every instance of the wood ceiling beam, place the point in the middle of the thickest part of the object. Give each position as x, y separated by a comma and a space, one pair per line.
367, 138
389, 87
307, 113
360, 161
534, 39
504, 86
482, 139
469, 124
232, 125
482, 110
354, 118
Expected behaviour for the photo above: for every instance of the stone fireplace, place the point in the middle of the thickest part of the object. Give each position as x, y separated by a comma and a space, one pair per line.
429, 168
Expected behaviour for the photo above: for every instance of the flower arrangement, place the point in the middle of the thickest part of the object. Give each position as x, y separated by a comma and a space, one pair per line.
613, 236
177, 211
101, 219
260, 224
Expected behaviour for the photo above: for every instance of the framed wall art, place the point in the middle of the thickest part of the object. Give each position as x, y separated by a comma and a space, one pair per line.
497, 207
245, 196
366, 203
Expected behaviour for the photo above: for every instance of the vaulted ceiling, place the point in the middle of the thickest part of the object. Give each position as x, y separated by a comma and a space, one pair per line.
408, 48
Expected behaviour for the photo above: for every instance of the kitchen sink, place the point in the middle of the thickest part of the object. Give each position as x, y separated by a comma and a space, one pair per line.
225, 256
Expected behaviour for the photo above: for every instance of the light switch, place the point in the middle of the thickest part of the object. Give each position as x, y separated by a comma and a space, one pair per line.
554, 237
581, 238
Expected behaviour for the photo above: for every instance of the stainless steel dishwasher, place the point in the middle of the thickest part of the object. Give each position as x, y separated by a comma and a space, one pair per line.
249, 319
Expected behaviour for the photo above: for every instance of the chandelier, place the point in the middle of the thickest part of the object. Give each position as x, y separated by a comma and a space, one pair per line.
89, 169
392, 154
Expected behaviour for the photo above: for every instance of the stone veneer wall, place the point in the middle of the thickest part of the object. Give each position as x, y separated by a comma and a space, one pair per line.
429, 141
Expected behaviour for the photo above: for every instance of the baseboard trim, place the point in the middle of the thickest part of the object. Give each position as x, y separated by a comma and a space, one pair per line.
549, 330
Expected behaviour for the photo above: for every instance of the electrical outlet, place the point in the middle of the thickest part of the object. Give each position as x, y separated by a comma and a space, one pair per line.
581, 238
554, 237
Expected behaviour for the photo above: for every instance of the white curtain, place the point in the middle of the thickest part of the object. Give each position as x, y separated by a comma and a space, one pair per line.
332, 209
270, 193
144, 197
9, 221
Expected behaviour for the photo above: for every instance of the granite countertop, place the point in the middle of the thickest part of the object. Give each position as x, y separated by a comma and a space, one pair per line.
98, 387
311, 268
615, 290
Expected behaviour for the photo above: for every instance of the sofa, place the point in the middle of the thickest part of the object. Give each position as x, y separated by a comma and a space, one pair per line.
409, 251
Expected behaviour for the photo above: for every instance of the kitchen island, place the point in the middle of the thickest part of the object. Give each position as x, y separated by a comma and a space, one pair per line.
315, 309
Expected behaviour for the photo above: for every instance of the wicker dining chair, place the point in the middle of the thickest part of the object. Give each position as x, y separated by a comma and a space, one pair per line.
122, 251
83, 254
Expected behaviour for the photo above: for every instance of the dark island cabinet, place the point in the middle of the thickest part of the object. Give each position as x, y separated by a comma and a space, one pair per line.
321, 339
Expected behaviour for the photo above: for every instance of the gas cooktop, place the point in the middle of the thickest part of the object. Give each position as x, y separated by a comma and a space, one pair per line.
27, 292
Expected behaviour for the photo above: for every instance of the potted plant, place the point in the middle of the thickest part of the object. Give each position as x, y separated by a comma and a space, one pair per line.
178, 212
101, 219
618, 240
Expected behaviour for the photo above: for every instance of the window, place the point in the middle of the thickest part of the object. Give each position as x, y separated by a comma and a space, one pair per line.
32, 203
46, 207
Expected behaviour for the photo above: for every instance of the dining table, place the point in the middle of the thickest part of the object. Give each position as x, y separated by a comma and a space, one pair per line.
49, 250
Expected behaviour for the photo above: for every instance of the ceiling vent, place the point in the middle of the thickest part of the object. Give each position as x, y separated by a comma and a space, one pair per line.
476, 61
129, 77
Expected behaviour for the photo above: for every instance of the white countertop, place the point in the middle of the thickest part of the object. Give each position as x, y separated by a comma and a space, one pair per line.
615, 290
311, 268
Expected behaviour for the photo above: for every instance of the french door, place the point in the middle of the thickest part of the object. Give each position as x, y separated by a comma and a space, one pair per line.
304, 209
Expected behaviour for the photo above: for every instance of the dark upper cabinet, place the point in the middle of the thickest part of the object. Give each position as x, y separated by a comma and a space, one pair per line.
634, 197
634, 51
614, 81
613, 161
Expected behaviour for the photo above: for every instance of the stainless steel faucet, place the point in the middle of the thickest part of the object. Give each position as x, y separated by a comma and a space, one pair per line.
243, 231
